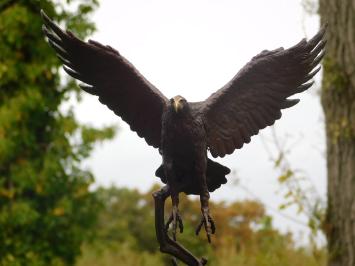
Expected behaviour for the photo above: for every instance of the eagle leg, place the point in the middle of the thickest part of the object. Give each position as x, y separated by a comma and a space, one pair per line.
167, 245
206, 219
175, 217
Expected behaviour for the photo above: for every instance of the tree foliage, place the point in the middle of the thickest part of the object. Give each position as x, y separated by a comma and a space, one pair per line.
46, 207
297, 188
245, 234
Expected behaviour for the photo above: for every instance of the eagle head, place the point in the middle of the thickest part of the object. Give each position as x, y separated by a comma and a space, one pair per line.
178, 104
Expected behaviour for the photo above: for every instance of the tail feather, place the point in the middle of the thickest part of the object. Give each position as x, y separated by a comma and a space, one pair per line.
215, 175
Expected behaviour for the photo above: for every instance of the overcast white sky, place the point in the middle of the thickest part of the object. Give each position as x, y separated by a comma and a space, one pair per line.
193, 48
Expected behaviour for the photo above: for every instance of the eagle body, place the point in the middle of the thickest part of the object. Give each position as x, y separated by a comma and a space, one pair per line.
184, 149
183, 132
184, 152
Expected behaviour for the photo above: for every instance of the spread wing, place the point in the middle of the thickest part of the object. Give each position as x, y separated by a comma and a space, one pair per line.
253, 99
111, 77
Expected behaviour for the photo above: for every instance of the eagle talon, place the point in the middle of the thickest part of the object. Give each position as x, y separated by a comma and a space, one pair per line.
174, 261
208, 222
203, 261
176, 221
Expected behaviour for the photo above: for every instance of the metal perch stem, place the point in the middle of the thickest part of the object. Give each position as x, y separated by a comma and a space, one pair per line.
167, 245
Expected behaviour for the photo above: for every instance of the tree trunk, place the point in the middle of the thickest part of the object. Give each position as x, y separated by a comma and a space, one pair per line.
338, 101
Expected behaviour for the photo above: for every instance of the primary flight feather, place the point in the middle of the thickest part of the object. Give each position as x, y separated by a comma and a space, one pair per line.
184, 131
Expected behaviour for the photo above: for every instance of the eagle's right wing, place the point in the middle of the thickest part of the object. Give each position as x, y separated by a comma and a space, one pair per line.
111, 77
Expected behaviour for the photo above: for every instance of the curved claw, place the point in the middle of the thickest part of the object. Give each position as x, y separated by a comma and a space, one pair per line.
203, 261
176, 220
209, 224
174, 261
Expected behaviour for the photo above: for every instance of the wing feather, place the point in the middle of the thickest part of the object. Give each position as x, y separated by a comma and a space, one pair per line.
253, 99
110, 76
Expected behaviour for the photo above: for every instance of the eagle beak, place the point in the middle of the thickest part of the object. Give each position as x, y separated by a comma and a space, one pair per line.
177, 105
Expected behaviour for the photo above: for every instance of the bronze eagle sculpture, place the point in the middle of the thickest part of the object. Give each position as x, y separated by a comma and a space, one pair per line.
185, 131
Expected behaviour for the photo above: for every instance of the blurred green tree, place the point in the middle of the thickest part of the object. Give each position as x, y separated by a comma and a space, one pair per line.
46, 208
245, 234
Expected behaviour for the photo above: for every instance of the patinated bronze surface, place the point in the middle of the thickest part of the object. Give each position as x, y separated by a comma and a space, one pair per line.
184, 131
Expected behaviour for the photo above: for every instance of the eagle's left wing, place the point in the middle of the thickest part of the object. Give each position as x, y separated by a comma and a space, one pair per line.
253, 99
110, 76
